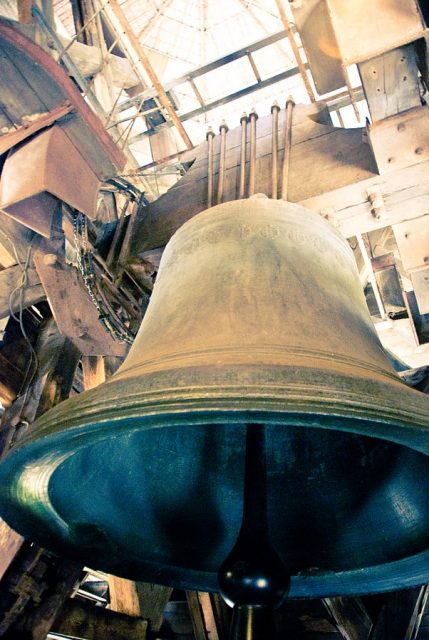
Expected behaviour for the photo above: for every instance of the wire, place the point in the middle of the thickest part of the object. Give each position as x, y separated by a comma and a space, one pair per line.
19, 289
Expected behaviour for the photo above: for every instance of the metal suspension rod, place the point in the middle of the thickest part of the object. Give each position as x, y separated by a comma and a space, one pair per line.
243, 121
287, 146
223, 131
274, 149
252, 170
210, 135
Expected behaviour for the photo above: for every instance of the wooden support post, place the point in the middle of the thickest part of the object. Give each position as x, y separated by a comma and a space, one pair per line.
24, 11
295, 50
350, 617
82, 620
401, 614
208, 615
153, 600
93, 371
144, 60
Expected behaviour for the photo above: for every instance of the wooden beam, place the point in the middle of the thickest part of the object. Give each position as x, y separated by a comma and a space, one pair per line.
10, 543
24, 11
208, 616
163, 97
94, 372
153, 599
32, 125
295, 49
79, 619
10, 280
350, 617
391, 82
401, 614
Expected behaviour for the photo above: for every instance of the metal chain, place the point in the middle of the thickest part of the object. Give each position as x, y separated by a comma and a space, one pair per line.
86, 268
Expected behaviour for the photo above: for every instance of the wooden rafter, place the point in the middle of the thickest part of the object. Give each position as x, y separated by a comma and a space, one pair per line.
144, 60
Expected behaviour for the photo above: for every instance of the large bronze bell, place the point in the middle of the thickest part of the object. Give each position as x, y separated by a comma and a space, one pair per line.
257, 325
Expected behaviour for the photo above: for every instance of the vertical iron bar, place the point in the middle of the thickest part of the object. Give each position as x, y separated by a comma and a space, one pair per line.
243, 121
223, 131
252, 170
209, 137
274, 149
287, 146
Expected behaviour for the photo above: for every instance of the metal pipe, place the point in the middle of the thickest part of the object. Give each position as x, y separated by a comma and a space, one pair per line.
287, 146
371, 275
243, 121
223, 131
252, 169
274, 149
209, 137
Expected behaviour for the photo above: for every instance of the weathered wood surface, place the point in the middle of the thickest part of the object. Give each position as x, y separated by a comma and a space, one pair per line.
74, 311
33, 83
400, 615
10, 543
82, 620
153, 599
350, 616
391, 82
405, 193
10, 280
207, 615
32, 125
401, 140
323, 157
385, 25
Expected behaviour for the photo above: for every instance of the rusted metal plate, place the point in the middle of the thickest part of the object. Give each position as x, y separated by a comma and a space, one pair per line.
365, 30
38, 172
318, 38
73, 310
420, 280
412, 238
401, 140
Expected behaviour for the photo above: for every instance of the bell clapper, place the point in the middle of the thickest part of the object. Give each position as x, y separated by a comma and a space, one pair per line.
253, 577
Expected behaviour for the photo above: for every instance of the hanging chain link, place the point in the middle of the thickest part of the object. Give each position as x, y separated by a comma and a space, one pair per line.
85, 265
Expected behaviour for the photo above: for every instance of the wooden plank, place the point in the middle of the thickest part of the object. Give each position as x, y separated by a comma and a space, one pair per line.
401, 140
350, 616
318, 38
197, 618
124, 597
384, 25
17, 99
24, 11
420, 280
94, 372
412, 238
399, 615
153, 599
74, 311
391, 82
53, 87
10, 279
144, 61
405, 194
82, 620
32, 125
10, 543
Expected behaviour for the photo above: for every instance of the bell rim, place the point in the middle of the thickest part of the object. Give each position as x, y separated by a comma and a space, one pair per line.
401, 573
